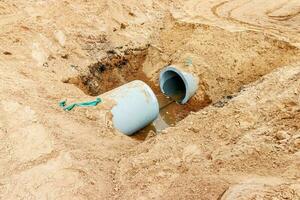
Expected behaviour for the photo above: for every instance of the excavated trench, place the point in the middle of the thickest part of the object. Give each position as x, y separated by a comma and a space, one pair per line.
118, 69
224, 62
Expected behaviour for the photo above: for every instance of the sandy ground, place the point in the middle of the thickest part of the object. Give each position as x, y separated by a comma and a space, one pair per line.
243, 144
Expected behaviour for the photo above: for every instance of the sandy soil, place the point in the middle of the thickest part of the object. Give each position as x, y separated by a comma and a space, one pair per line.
244, 142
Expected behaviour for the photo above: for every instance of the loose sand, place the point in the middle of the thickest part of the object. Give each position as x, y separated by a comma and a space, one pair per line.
242, 140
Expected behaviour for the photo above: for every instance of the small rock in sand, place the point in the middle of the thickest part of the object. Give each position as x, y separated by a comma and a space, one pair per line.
282, 135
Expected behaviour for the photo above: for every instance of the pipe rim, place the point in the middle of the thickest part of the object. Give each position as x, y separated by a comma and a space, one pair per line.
180, 74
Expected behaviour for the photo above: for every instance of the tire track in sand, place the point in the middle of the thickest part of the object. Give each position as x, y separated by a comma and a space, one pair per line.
274, 24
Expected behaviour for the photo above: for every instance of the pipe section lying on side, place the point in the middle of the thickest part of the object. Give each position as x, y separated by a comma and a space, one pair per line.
178, 84
134, 106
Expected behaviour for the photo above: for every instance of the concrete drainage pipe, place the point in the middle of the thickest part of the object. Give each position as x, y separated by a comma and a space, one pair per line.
178, 84
133, 106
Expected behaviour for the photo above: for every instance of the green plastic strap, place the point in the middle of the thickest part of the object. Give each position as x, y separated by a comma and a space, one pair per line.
83, 104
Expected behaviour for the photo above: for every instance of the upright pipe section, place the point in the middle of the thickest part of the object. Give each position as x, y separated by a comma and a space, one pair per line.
133, 106
178, 84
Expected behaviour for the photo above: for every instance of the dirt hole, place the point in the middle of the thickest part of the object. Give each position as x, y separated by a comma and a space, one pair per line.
117, 69
225, 61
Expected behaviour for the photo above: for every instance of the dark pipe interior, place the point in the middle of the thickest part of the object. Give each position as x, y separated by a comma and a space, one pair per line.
174, 86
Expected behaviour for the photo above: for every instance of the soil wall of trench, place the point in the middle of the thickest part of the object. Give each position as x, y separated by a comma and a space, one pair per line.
224, 61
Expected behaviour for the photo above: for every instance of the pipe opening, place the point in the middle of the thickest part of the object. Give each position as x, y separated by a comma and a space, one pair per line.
173, 85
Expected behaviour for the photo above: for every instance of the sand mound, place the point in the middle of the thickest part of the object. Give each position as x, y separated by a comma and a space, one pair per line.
238, 137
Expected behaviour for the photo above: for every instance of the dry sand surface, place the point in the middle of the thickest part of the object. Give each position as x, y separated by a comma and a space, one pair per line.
242, 140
